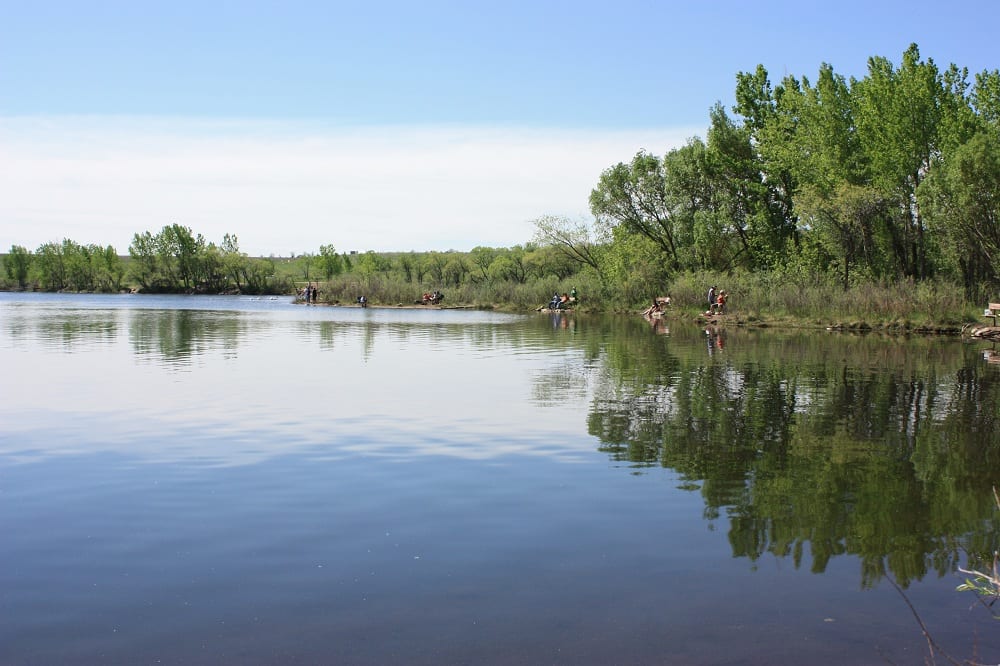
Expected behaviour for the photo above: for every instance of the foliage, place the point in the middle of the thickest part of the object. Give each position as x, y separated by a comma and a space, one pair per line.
962, 200
17, 264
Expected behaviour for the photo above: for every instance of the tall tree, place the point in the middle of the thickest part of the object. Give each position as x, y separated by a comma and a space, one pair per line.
574, 239
898, 114
634, 195
330, 261
17, 264
963, 201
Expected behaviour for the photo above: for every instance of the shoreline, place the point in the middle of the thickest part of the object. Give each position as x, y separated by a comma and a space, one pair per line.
971, 329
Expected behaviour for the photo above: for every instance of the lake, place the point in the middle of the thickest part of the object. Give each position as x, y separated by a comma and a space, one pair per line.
232, 480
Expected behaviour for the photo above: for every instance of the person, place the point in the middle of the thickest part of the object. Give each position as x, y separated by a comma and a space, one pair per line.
652, 309
720, 305
572, 294
564, 300
362, 301
315, 291
712, 297
554, 303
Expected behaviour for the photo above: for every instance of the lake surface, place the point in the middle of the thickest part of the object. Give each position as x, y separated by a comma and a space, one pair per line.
227, 480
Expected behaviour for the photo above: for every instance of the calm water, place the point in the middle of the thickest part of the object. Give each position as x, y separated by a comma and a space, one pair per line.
226, 480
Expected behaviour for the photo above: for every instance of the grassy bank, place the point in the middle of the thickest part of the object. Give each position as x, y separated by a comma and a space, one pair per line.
773, 299
759, 299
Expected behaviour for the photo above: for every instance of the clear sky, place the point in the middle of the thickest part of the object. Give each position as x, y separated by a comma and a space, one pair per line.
389, 125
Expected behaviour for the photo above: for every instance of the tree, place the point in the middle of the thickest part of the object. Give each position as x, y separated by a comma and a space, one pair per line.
482, 258
145, 266
634, 195
51, 266
455, 270
434, 263
306, 261
509, 266
17, 264
759, 220
898, 114
234, 262
109, 270
844, 222
370, 263
408, 264
573, 239
963, 202
79, 270
550, 260
330, 261
986, 97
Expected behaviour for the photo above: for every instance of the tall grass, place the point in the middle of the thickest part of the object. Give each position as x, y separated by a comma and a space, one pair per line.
500, 295
791, 296
821, 299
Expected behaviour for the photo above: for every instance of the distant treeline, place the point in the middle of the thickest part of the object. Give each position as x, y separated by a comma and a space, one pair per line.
177, 260
173, 260
893, 179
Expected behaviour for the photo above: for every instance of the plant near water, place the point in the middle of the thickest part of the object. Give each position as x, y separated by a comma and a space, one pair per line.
985, 585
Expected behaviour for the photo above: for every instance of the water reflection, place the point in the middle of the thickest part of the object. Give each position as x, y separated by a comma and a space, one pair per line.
176, 337
65, 331
821, 444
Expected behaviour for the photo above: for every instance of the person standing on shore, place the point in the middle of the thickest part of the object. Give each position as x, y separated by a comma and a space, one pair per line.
711, 298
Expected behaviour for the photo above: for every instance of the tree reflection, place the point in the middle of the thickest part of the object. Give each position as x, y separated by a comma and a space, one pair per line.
814, 445
176, 337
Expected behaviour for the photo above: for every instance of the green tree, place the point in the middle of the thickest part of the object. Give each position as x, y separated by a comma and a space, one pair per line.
370, 264
306, 262
509, 266
481, 258
17, 265
78, 266
408, 264
51, 266
985, 97
574, 239
109, 271
434, 262
844, 222
234, 262
634, 196
330, 261
963, 201
898, 114
759, 221
145, 265
455, 270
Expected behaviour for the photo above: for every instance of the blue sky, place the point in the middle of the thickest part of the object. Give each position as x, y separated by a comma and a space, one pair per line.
389, 125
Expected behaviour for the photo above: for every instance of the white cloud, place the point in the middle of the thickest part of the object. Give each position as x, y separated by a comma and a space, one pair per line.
291, 187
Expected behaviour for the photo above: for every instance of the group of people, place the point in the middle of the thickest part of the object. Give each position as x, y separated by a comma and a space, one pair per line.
432, 298
716, 300
310, 293
562, 302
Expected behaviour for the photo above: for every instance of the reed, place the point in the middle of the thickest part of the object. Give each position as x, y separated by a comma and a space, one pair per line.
820, 299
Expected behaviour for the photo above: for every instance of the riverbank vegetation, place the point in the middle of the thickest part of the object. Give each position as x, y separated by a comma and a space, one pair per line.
835, 201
